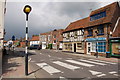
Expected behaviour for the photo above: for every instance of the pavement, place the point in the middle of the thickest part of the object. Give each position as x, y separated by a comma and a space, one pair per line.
111, 59
13, 65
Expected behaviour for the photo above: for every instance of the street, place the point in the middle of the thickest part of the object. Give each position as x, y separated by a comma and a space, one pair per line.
58, 64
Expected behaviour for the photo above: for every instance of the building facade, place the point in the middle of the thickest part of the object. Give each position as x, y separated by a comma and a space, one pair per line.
73, 36
34, 40
2, 11
100, 26
52, 39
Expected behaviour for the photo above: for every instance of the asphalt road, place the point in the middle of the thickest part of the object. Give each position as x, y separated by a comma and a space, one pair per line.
52, 64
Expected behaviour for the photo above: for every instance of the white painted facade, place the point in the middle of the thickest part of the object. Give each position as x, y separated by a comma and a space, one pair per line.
34, 43
73, 41
43, 41
2, 6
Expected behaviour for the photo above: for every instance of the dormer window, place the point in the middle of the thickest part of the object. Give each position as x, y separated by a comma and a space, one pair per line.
98, 16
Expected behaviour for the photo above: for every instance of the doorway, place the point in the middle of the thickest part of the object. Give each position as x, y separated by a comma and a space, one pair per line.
89, 47
74, 47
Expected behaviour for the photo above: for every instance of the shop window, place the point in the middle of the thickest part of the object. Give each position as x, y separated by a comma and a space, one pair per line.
101, 46
93, 46
79, 45
100, 30
90, 32
98, 16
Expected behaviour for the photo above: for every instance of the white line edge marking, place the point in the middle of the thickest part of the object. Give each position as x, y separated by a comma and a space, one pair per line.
95, 72
29, 60
101, 75
92, 62
51, 70
68, 66
102, 61
113, 72
80, 63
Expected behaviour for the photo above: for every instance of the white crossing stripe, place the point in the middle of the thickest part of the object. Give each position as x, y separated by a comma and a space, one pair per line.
80, 63
103, 61
32, 51
92, 62
68, 66
101, 75
48, 68
112, 72
94, 72
49, 56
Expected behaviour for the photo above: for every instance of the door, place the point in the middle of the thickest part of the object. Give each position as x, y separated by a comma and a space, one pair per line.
89, 44
74, 47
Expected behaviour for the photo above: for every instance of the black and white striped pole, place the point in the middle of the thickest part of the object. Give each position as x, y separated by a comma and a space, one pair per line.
26, 10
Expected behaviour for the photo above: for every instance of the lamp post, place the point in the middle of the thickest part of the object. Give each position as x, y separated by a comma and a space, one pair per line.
96, 45
26, 10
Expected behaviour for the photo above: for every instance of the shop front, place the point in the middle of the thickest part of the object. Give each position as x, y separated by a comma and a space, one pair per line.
94, 45
115, 46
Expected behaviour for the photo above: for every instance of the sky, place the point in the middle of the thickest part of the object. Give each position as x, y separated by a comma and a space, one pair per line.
46, 15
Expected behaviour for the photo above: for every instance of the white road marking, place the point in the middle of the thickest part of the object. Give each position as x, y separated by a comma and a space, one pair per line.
32, 51
103, 61
92, 62
113, 72
49, 56
40, 53
62, 78
80, 63
94, 72
68, 66
51, 70
29, 60
101, 75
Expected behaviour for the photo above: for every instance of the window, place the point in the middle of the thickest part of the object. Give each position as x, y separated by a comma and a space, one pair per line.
100, 30
54, 36
93, 46
98, 16
54, 41
101, 46
90, 32
79, 45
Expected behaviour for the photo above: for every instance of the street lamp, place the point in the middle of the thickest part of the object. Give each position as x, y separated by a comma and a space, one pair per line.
26, 10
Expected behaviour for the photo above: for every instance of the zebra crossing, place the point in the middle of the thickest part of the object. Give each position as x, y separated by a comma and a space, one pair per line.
69, 64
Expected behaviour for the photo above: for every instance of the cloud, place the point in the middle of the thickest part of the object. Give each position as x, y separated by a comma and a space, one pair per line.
45, 16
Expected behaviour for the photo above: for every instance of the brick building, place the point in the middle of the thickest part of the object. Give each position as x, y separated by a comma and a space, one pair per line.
94, 34
52, 39
101, 24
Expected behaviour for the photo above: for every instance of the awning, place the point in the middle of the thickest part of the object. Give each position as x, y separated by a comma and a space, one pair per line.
96, 39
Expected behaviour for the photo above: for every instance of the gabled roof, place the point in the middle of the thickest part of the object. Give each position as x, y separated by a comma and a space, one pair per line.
77, 24
110, 9
35, 38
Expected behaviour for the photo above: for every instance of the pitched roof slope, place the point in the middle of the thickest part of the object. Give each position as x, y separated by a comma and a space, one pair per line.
77, 24
110, 9
35, 38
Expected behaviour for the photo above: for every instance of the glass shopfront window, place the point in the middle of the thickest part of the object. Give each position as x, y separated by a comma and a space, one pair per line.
101, 46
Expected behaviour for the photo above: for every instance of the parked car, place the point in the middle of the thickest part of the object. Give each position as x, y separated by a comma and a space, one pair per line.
34, 47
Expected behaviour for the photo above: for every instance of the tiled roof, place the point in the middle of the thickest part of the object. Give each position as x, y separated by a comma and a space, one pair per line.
35, 38
83, 23
77, 24
110, 9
